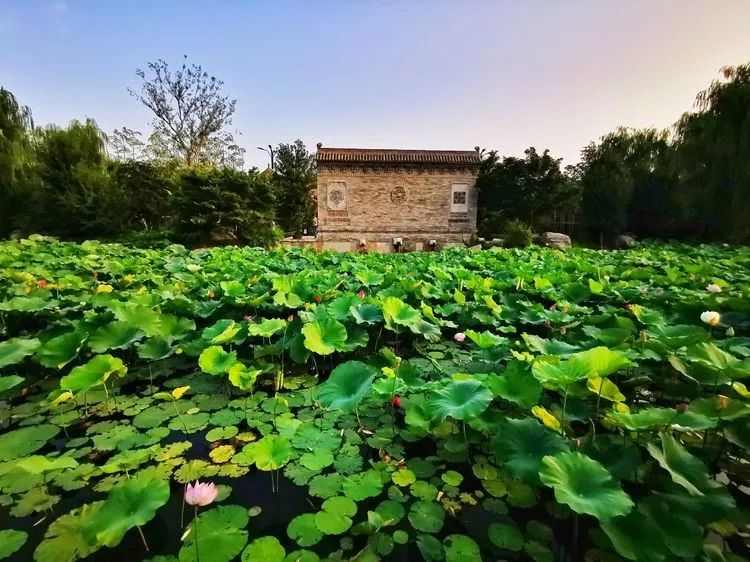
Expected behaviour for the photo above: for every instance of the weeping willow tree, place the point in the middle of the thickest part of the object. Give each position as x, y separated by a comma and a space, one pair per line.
15, 127
713, 156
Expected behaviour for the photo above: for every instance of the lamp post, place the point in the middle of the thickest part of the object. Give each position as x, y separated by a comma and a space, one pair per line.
271, 152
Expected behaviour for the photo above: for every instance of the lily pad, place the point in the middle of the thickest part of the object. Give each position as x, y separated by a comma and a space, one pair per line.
427, 517
303, 531
267, 549
221, 535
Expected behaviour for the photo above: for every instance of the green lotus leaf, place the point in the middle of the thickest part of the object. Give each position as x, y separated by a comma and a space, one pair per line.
430, 548
115, 335
324, 336
517, 385
130, 503
221, 535
34, 501
221, 332
326, 485
156, 348
21, 442
397, 313
522, 444
391, 511
602, 361
485, 340
332, 523
215, 361
38, 464
634, 539
317, 460
267, 549
366, 313
460, 548
173, 328
11, 541
232, 288
596, 362
427, 517
270, 453
452, 478
685, 469
302, 556
403, 477
267, 328
27, 304
368, 484
505, 536
68, 537
243, 377
460, 400
424, 490
341, 505
139, 316
303, 531
585, 485
15, 350
57, 352
97, 371
346, 386
9, 382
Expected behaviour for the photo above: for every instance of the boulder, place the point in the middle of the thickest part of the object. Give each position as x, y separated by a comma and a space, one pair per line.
475, 247
555, 240
624, 241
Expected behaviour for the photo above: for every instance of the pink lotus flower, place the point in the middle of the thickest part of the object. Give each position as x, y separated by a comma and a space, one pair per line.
200, 494
459, 337
361, 293
713, 288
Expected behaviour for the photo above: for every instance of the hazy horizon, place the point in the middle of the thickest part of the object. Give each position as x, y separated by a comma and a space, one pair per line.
411, 74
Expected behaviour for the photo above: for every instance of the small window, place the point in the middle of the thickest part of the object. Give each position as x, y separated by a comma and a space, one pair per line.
459, 198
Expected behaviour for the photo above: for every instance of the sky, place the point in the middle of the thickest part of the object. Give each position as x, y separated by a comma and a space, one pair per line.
425, 74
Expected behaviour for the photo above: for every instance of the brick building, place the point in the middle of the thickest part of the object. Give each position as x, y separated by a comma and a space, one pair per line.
384, 200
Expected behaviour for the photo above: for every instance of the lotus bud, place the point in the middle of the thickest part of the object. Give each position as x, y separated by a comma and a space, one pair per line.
722, 402
361, 293
710, 317
459, 337
730, 332
713, 288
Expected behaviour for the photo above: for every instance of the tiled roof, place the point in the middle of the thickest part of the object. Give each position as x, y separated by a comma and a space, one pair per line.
393, 156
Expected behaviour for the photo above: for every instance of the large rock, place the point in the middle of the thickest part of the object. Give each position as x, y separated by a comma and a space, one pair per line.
624, 241
555, 240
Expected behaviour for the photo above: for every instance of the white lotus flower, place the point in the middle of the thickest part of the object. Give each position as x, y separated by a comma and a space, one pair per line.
713, 288
710, 317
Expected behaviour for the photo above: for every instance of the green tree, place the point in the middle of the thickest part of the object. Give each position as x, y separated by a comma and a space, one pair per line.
294, 176
713, 155
526, 189
629, 185
71, 191
15, 128
148, 187
190, 113
225, 206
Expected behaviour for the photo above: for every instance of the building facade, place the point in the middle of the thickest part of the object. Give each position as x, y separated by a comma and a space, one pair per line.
395, 200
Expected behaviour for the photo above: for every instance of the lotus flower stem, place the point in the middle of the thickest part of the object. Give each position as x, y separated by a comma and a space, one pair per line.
195, 528
182, 511
143, 537
106, 394
184, 425
565, 403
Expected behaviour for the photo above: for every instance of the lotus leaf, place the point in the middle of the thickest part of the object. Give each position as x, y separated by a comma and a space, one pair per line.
585, 485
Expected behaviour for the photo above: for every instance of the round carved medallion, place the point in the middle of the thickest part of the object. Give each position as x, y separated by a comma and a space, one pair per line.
399, 195
337, 197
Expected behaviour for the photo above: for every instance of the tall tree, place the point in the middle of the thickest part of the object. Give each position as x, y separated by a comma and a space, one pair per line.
628, 184
713, 152
526, 189
294, 175
15, 127
190, 112
126, 144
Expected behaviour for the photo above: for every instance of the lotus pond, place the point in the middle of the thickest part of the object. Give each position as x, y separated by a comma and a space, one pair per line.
459, 406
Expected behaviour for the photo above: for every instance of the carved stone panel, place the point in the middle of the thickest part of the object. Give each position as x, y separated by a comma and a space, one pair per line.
336, 196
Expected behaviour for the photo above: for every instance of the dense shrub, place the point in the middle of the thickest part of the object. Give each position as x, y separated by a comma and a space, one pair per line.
517, 235
225, 207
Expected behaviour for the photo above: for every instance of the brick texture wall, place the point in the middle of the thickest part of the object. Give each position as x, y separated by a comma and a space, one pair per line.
376, 213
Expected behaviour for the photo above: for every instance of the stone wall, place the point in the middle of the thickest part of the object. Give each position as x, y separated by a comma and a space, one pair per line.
376, 204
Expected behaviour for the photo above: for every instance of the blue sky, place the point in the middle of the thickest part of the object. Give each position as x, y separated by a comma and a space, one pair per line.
386, 73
